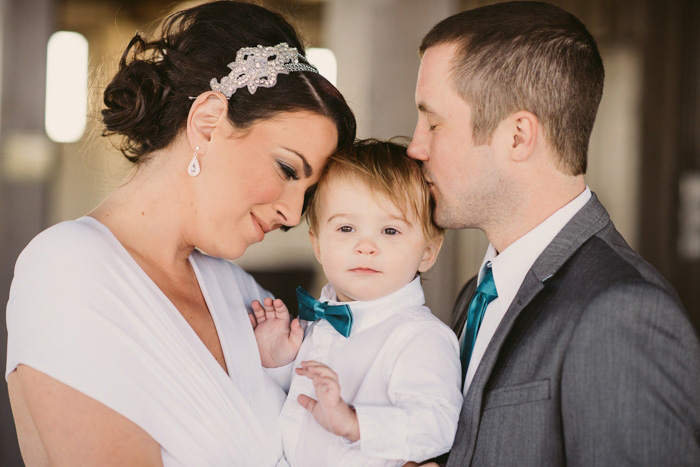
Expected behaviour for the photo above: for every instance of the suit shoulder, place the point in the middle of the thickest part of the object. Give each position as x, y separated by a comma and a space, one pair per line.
601, 264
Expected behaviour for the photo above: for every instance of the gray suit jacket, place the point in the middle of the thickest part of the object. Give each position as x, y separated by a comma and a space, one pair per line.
594, 363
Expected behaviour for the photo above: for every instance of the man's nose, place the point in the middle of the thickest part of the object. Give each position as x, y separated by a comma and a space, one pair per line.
416, 150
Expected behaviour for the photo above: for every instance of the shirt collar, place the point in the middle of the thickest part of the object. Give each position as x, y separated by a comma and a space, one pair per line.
511, 266
368, 313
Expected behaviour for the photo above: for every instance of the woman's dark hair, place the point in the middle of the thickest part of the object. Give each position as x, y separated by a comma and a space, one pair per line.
148, 100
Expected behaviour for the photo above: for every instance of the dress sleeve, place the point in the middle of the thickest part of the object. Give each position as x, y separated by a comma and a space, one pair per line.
424, 390
51, 291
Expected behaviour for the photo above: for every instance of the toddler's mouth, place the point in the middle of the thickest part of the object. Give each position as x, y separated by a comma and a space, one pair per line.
364, 270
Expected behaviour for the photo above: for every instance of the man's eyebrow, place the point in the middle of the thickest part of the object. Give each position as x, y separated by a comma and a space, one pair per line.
308, 171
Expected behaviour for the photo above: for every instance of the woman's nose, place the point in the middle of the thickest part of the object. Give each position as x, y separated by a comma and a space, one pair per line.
289, 208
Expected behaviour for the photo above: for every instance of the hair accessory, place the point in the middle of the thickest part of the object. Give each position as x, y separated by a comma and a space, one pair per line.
193, 169
259, 66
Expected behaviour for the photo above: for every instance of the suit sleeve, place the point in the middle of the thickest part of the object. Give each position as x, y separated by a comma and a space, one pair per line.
631, 381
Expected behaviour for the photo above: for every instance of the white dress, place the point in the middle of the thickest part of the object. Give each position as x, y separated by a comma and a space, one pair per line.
82, 311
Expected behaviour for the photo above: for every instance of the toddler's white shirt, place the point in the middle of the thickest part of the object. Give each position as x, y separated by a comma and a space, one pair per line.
400, 369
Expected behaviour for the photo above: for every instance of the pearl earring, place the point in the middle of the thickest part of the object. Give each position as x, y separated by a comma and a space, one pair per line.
193, 169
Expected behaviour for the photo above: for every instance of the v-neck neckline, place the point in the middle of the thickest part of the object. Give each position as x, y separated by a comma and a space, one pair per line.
192, 335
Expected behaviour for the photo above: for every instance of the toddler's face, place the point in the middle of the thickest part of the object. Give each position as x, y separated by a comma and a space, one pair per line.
366, 248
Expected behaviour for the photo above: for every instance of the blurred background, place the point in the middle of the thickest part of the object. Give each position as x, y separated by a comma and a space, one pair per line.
644, 160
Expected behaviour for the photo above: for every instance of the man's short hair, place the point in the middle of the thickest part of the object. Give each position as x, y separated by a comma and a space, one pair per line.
527, 56
386, 169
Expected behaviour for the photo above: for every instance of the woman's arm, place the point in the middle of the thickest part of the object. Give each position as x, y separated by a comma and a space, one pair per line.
57, 425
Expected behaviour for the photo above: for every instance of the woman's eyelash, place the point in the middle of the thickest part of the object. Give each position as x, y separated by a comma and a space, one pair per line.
290, 172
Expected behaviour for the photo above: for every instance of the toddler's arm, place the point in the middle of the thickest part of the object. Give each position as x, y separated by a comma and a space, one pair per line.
278, 339
330, 410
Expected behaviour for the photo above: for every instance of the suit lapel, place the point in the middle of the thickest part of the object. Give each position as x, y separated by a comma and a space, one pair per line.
586, 223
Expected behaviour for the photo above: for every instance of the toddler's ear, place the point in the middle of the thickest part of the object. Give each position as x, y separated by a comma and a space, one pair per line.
315, 245
430, 254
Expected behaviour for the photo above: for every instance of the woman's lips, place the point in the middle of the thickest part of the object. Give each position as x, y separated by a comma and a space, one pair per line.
260, 228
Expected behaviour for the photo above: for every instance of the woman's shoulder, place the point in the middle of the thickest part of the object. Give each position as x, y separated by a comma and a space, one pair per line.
71, 251
81, 236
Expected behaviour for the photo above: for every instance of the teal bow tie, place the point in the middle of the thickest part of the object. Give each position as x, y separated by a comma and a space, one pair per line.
310, 309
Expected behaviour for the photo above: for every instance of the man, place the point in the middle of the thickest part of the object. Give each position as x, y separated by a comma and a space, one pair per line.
575, 350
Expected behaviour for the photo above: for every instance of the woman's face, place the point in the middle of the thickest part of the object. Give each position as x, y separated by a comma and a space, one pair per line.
253, 181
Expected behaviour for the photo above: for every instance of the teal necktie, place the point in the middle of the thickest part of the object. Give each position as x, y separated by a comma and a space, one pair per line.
485, 293
310, 309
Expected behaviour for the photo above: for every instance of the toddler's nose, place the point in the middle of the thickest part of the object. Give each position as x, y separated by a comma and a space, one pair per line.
366, 247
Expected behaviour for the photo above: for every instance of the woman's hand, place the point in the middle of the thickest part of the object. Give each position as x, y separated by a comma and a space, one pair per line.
278, 339
330, 410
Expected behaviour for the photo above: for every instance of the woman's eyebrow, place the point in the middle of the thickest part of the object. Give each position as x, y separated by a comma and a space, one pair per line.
308, 171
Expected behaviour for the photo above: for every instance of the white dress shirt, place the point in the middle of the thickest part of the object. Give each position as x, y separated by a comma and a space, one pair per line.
399, 368
509, 270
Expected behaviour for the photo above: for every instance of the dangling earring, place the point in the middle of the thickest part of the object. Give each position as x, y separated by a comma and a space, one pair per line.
193, 168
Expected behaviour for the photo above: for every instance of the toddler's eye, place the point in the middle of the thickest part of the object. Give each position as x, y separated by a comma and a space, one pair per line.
345, 229
390, 231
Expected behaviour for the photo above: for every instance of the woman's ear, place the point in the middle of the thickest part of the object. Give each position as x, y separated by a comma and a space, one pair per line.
524, 135
430, 254
209, 110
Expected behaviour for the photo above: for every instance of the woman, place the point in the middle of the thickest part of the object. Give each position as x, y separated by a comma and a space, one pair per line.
126, 345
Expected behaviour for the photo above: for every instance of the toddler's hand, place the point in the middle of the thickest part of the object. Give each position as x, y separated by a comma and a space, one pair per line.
330, 411
278, 339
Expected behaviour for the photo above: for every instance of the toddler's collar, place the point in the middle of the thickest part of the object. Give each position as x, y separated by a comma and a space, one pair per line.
368, 313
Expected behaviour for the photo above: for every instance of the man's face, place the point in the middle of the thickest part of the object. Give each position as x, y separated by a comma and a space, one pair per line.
464, 178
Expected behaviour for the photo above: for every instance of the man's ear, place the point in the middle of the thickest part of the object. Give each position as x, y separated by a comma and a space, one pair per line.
315, 245
430, 254
209, 110
523, 129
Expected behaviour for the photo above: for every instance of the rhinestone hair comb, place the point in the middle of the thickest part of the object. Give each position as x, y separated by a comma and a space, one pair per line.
259, 66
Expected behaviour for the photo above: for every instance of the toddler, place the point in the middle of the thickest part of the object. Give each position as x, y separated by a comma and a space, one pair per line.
376, 380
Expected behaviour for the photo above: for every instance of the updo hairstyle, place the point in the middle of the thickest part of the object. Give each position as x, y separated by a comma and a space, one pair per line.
148, 100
